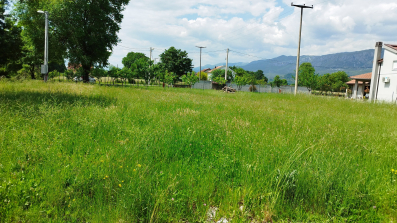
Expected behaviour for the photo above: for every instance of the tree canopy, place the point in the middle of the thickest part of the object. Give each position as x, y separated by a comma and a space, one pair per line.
10, 40
176, 61
307, 76
89, 30
132, 57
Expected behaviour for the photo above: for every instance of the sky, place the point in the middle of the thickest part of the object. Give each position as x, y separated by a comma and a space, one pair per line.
253, 29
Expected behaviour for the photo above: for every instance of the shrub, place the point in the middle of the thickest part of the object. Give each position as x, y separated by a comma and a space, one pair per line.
204, 76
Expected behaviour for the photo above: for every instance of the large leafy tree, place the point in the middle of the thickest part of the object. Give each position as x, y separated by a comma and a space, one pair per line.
132, 57
89, 30
176, 61
10, 39
338, 80
307, 76
33, 31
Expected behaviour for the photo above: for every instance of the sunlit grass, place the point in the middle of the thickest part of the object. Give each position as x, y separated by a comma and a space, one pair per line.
81, 152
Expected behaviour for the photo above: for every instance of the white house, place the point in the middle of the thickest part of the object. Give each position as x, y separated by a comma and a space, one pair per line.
384, 74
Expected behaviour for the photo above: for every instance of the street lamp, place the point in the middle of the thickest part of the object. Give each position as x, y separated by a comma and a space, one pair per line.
44, 67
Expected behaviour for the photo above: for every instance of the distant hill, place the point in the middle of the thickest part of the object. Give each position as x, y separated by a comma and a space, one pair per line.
353, 63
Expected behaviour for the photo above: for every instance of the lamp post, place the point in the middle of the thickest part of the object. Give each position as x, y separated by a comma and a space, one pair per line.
44, 68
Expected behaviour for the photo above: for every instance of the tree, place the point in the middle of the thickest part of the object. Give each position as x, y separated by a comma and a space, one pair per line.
324, 83
338, 80
89, 30
240, 81
277, 81
260, 75
132, 57
33, 33
220, 73
202, 75
10, 41
176, 61
307, 76
98, 73
251, 79
190, 78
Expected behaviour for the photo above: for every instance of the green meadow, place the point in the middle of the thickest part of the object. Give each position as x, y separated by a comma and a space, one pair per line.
72, 152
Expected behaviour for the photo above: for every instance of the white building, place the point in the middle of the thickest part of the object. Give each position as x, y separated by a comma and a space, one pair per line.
384, 74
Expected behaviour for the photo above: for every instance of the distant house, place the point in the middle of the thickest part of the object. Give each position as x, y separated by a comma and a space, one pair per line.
209, 71
384, 74
359, 84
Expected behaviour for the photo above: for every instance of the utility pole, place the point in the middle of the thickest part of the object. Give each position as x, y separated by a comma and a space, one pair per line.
227, 61
299, 46
44, 68
201, 47
151, 49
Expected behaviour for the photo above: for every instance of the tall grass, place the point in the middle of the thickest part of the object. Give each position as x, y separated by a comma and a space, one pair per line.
75, 152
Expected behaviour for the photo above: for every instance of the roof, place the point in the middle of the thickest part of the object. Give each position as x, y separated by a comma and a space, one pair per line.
352, 82
216, 68
366, 76
206, 70
392, 46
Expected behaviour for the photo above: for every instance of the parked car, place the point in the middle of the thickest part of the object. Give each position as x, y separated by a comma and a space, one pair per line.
91, 79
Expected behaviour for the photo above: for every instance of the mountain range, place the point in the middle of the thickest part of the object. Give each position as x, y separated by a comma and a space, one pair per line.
353, 63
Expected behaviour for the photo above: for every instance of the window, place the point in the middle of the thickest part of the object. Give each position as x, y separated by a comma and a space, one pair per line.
395, 65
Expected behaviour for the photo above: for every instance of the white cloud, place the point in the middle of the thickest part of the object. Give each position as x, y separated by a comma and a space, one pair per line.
264, 28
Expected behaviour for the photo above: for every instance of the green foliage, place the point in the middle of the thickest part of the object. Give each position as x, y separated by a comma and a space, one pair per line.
219, 79
169, 77
89, 30
190, 78
202, 75
53, 74
220, 73
170, 156
99, 73
10, 43
333, 82
277, 82
307, 76
240, 81
176, 61
33, 31
133, 57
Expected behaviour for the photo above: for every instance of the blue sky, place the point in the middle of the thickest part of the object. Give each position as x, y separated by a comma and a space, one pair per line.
253, 29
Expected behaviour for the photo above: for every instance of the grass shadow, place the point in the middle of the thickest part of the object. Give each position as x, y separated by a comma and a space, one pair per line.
21, 100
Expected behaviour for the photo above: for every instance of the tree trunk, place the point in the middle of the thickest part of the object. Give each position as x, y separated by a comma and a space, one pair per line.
86, 72
31, 70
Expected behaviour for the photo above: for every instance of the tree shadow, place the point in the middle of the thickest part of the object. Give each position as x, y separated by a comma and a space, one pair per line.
23, 101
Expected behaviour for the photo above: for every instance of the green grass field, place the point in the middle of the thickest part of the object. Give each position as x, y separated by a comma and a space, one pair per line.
87, 153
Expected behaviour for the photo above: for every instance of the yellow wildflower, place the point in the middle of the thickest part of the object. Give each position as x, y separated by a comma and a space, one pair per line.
121, 166
134, 169
119, 185
139, 165
74, 199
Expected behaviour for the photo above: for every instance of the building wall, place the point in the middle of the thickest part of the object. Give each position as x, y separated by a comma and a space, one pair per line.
359, 92
388, 91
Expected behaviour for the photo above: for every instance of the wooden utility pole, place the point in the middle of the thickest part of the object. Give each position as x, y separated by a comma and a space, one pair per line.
201, 47
227, 61
299, 45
